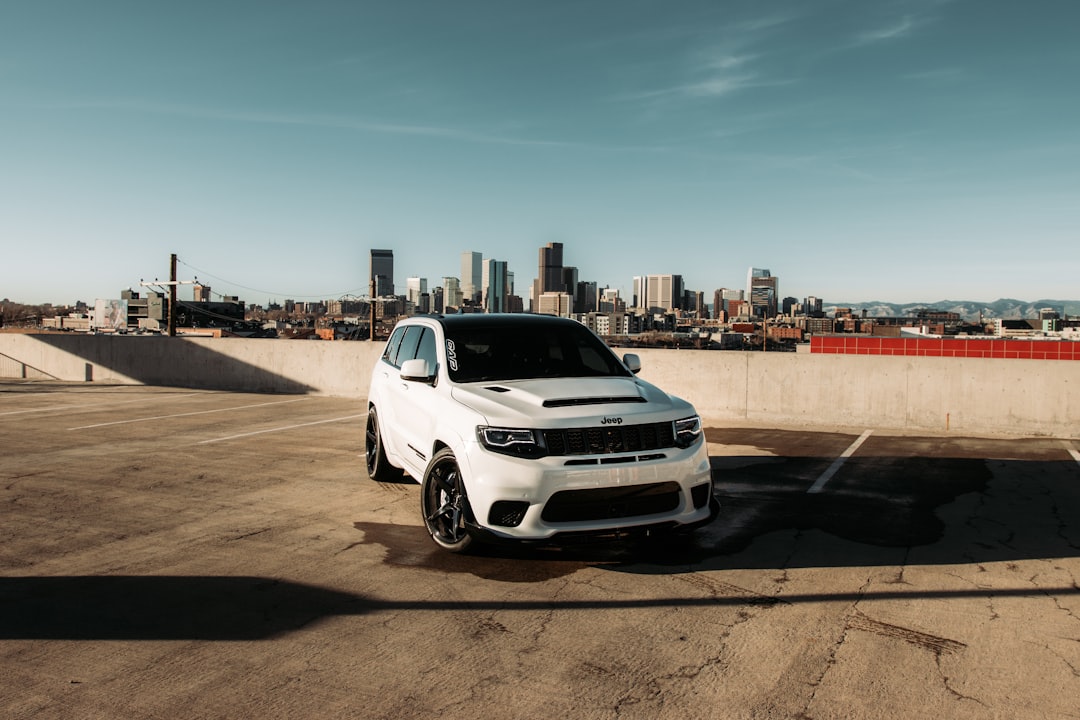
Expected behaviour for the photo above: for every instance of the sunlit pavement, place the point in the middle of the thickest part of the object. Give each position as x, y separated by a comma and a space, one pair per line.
177, 553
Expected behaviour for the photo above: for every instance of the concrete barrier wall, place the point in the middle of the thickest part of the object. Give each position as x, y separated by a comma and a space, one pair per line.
283, 366
962, 396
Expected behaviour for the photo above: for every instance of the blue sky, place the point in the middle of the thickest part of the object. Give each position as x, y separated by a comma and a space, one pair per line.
908, 150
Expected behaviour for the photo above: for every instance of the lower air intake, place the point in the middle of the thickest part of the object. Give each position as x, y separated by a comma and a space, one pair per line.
611, 503
507, 513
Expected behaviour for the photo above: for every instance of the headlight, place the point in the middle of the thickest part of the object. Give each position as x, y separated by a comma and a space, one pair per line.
687, 431
511, 441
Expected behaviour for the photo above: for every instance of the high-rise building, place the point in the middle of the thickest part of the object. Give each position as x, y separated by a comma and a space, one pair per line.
471, 272
551, 268
569, 279
699, 304
610, 302
496, 289
722, 299
414, 288
663, 292
451, 287
640, 290
550, 275
382, 272
762, 292
585, 296
555, 303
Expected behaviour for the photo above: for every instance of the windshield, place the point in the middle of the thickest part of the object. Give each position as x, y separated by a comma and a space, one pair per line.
516, 352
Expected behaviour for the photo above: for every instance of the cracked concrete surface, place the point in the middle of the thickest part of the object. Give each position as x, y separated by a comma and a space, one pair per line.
143, 575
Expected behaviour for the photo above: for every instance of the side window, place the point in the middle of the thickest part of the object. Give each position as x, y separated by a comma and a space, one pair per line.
392, 347
407, 349
427, 350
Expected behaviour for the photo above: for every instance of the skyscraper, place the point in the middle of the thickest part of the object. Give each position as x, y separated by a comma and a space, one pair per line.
762, 292
551, 268
585, 297
699, 304
496, 289
722, 297
663, 291
451, 292
640, 290
550, 276
382, 272
414, 288
471, 272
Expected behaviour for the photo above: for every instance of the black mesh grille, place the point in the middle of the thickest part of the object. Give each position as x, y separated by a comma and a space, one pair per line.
611, 503
507, 513
609, 439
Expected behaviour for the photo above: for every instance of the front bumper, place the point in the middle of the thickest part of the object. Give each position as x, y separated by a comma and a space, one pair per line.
612, 495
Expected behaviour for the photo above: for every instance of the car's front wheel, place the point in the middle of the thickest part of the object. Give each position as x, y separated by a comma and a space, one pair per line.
378, 467
444, 504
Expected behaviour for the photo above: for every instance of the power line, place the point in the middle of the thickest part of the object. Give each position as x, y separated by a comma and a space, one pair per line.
206, 312
269, 293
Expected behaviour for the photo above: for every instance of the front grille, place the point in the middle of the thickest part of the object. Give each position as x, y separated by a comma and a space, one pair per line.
611, 503
610, 439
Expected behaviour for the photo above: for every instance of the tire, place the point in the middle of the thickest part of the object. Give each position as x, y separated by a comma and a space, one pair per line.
379, 468
444, 504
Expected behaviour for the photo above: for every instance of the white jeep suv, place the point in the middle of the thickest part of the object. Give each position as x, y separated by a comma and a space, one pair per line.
528, 427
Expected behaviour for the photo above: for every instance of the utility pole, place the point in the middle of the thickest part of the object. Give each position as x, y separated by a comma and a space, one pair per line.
172, 283
172, 295
371, 309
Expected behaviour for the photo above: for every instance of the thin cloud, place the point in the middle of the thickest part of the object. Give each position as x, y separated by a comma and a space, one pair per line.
726, 61
718, 74
719, 86
766, 22
342, 123
899, 29
939, 75
709, 88
318, 121
714, 87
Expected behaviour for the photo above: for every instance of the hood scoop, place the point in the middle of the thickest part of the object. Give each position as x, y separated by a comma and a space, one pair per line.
497, 388
573, 402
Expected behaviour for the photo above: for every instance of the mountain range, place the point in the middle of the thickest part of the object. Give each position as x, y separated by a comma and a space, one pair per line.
971, 311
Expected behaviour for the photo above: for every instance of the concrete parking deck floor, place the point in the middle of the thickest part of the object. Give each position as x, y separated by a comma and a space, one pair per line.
173, 553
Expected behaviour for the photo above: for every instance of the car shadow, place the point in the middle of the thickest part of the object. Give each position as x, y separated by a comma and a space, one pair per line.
930, 501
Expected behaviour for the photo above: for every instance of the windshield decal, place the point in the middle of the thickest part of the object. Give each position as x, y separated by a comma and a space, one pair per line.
451, 355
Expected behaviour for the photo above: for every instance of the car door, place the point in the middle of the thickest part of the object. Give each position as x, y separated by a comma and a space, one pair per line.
416, 401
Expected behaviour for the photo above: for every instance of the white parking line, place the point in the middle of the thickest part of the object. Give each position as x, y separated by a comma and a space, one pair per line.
827, 475
90, 408
198, 412
1072, 451
280, 429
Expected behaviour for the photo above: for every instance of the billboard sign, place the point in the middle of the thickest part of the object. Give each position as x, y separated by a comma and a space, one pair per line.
110, 315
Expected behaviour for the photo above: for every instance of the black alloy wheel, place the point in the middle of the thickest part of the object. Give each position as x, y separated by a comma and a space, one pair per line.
444, 504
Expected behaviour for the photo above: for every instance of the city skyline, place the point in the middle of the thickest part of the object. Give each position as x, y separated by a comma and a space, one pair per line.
904, 151
214, 287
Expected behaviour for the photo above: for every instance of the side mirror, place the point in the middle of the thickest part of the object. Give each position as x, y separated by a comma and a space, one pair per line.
416, 370
632, 363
